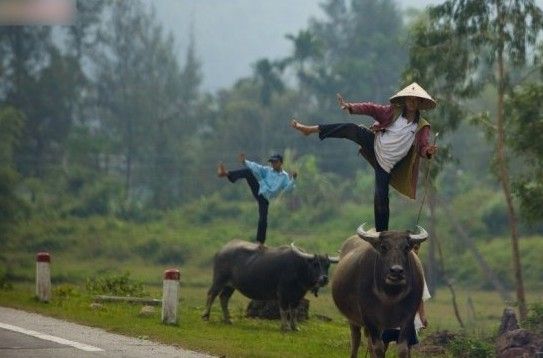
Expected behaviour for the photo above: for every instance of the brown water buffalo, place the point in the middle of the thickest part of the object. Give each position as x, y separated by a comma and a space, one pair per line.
263, 273
378, 285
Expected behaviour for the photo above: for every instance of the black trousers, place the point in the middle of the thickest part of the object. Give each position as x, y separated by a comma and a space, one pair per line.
263, 203
365, 138
392, 335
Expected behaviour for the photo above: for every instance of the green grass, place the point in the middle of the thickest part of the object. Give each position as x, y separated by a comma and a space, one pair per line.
246, 337
187, 239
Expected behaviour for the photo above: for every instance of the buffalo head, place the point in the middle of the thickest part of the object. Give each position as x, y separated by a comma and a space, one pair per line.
393, 248
318, 266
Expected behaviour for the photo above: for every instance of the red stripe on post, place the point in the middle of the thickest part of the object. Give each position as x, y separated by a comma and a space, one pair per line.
43, 257
172, 275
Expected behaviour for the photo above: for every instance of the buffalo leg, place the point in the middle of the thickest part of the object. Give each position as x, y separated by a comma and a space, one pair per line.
403, 349
211, 294
293, 317
225, 296
284, 310
218, 285
407, 336
355, 340
375, 342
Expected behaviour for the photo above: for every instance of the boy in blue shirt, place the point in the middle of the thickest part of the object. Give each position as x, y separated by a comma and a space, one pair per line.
266, 182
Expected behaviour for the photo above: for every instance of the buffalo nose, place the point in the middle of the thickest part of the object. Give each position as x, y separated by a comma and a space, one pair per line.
323, 280
396, 270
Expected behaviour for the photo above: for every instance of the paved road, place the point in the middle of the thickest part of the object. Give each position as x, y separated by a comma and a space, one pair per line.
30, 335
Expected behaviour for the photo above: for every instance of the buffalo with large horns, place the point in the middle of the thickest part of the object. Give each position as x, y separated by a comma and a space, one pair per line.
264, 273
378, 285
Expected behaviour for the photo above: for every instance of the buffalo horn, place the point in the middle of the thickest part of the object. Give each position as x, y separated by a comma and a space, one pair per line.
421, 236
301, 253
363, 234
334, 259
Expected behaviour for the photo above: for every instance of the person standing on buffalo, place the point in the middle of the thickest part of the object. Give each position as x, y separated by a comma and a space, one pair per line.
393, 144
266, 182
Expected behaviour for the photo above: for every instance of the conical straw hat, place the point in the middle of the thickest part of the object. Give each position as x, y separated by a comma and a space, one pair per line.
414, 90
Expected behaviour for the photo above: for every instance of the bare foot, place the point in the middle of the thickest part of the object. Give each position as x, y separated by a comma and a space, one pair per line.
305, 130
221, 171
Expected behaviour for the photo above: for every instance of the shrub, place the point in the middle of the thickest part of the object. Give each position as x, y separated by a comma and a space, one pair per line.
65, 291
4, 284
116, 285
534, 321
463, 346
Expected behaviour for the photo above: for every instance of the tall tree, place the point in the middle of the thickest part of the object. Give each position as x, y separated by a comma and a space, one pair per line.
39, 81
84, 33
489, 38
119, 83
422, 68
356, 49
149, 104
267, 77
362, 47
11, 123
307, 50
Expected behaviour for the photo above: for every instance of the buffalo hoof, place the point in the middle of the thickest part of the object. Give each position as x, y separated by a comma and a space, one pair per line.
205, 316
227, 321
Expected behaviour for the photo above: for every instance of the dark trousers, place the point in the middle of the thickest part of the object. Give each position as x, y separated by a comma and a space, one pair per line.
263, 203
365, 138
392, 335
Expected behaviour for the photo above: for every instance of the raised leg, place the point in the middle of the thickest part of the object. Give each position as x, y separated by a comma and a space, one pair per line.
304, 129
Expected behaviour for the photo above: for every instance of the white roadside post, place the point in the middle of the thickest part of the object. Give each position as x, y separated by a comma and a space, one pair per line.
43, 276
170, 296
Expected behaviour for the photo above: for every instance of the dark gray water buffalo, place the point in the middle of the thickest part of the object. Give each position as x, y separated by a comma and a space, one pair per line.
284, 273
378, 285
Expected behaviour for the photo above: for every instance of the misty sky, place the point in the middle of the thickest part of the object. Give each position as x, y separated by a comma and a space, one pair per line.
233, 34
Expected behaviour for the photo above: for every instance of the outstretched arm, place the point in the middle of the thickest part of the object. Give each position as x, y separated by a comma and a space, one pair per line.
381, 113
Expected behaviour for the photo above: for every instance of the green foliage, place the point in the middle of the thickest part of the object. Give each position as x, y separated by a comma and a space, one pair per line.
65, 291
463, 346
524, 109
4, 283
11, 205
95, 197
534, 320
116, 285
210, 208
497, 253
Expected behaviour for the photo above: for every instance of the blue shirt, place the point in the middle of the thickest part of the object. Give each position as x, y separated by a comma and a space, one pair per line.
271, 182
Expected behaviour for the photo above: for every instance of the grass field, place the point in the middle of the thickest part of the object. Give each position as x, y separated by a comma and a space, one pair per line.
248, 337
105, 246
